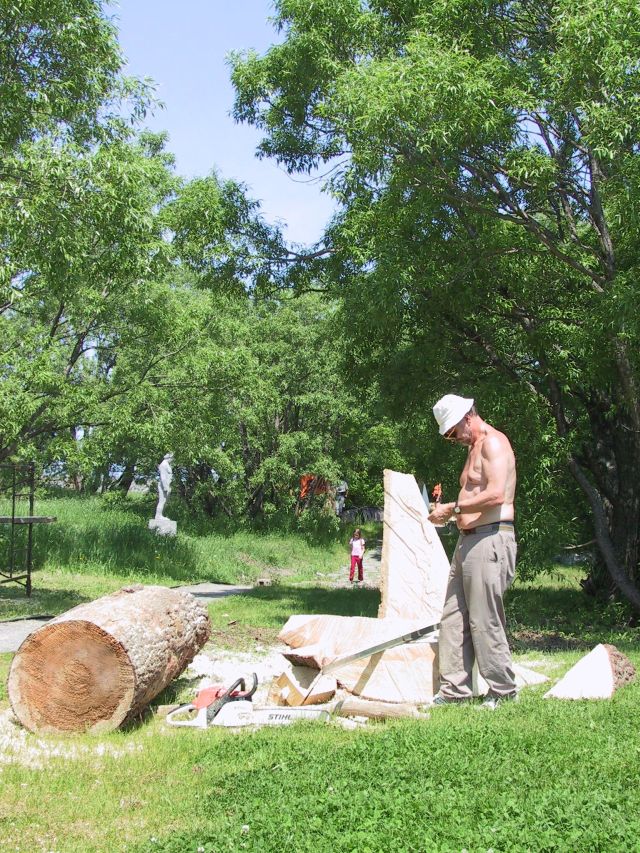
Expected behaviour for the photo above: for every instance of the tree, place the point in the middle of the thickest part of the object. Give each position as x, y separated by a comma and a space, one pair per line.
78, 230
60, 69
489, 182
286, 408
85, 258
269, 404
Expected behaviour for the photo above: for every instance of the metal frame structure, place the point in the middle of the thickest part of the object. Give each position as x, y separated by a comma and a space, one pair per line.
17, 489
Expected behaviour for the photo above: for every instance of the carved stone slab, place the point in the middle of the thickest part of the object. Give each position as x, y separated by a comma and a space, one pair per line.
403, 674
415, 567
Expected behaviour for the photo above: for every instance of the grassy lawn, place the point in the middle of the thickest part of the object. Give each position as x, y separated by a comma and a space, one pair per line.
533, 776
92, 550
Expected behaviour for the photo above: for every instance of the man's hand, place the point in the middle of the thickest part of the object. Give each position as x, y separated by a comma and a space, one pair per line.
442, 513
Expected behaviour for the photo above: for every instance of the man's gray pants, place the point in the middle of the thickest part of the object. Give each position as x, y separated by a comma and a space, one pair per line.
473, 621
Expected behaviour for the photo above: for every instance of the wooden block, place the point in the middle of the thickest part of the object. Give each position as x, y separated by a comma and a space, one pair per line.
357, 707
294, 687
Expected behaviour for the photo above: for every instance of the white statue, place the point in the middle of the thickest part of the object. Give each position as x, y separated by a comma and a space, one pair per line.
164, 483
160, 523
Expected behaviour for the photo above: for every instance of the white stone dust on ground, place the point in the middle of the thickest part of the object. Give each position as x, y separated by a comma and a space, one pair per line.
18, 746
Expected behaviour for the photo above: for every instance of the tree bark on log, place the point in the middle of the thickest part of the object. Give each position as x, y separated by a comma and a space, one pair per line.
101, 663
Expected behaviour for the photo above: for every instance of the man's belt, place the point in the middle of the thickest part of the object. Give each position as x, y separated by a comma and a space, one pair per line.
494, 527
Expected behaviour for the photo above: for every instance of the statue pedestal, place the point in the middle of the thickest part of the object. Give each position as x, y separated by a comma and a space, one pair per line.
163, 526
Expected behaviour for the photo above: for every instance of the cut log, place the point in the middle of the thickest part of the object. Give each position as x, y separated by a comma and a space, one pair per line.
415, 569
99, 664
595, 676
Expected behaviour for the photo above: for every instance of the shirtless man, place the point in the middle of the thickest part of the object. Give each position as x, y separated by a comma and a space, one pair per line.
483, 566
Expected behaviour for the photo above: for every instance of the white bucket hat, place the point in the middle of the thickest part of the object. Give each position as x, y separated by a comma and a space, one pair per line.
450, 410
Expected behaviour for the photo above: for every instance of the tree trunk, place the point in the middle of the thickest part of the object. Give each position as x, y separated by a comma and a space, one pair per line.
256, 502
124, 481
613, 461
101, 663
621, 574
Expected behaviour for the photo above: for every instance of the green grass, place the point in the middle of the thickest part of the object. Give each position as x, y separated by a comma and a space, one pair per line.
94, 549
260, 614
552, 613
537, 775
542, 776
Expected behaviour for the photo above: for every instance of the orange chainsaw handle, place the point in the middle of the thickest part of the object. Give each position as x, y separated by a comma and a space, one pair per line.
213, 694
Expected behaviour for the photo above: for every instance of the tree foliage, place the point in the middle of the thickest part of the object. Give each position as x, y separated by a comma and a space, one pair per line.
135, 308
60, 70
488, 173
82, 248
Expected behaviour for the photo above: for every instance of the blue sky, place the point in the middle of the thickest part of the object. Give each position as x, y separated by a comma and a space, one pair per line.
182, 47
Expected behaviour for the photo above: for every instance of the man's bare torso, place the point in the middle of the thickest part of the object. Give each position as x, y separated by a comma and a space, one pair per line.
496, 462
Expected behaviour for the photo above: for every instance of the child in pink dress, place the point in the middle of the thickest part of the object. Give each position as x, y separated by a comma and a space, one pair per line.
358, 545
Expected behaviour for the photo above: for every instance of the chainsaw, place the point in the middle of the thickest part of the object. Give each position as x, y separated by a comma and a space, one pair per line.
215, 706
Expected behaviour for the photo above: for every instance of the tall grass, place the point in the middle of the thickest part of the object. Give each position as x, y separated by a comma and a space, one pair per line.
117, 540
95, 546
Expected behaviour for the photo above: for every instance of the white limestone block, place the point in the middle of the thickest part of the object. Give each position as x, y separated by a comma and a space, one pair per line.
415, 568
407, 673
595, 676
163, 526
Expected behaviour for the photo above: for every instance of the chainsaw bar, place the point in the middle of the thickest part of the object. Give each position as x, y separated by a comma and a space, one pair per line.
243, 713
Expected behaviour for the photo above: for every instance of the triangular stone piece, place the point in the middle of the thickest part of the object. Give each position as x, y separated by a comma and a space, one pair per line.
415, 567
596, 676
